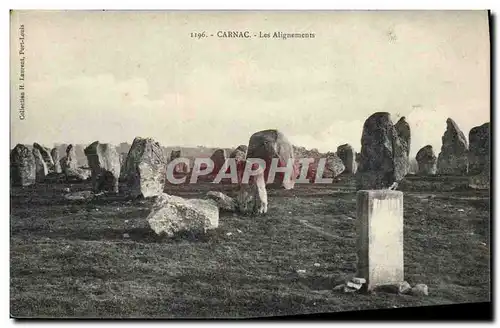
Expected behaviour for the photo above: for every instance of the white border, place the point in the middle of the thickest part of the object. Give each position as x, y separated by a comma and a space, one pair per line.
190, 5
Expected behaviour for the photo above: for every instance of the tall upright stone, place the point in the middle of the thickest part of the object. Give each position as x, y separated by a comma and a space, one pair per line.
219, 158
479, 148
239, 153
427, 161
384, 155
55, 157
404, 133
270, 144
380, 237
348, 157
46, 156
334, 166
22, 166
452, 159
104, 163
41, 166
146, 168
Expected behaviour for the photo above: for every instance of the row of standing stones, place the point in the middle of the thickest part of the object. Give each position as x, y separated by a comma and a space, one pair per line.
383, 161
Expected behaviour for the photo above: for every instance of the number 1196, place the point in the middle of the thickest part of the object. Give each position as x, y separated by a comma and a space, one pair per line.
198, 35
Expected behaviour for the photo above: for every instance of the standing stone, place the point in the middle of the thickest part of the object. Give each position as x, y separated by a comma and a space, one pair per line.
427, 161
334, 166
46, 156
180, 167
404, 133
123, 162
348, 157
453, 159
146, 168
41, 166
219, 158
239, 153
380, 237
104, 163
172, 214
479, 148
22, 166
269, 144
384, 156
55, 156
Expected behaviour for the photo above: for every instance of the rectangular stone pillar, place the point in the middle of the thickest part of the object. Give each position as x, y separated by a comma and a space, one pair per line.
380, 237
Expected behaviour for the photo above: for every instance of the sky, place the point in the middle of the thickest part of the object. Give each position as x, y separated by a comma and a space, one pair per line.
112, 76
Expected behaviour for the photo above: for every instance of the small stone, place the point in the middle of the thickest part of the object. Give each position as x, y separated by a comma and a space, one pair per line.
301, 271
317, 264
239, 230
126, 235
351, 284
339, 287
420, 290
460, 210
126, 221
349, 290
66, 190
482, 244
358, 280
229, 234
404, 287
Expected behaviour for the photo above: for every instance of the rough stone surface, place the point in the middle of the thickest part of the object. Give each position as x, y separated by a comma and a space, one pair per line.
252, 196
46, 156
453, 158
69, 161
396, 288
123, 162
223, 201
427, 161
146, 168
420, 290
479, 149
78, 174
348, 157
104, 163
41, 166
219, 158
55, 156
22, 166
269, 144
380, 237
79, 195
172, 214
334, 166
384, 157
404, 133
239, 153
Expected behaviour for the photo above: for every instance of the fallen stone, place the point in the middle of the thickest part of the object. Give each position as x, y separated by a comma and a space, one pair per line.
223, 201
77, 174
358, 280
172, 214
79, 195
420, 290
317, 265
349, 290
356, 286
339, 287
66, 190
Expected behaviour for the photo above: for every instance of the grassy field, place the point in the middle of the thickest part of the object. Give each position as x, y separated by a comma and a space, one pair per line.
71, 258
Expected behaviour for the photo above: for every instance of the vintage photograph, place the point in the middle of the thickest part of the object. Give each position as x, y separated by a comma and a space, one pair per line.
248, 164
